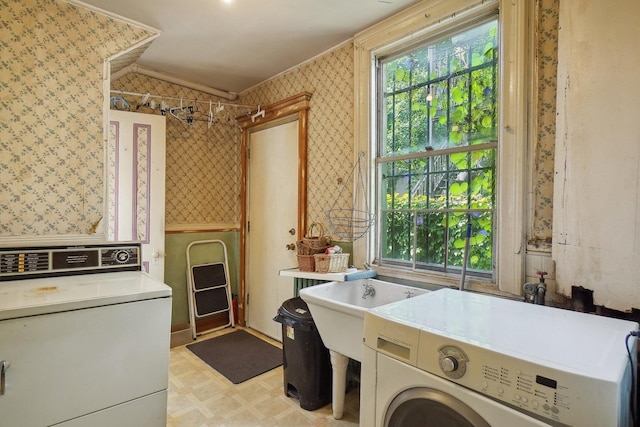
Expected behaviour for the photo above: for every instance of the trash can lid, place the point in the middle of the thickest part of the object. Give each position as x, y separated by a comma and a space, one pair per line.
296, 309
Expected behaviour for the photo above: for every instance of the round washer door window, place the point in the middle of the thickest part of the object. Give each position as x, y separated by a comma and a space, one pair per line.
425, 407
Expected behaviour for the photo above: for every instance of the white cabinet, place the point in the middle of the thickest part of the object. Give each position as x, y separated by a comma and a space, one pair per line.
98, 366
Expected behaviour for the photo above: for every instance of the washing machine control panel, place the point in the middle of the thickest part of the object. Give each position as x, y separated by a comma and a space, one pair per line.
545, 393
452, 361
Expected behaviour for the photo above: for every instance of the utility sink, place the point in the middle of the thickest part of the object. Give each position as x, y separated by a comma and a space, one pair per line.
338, 310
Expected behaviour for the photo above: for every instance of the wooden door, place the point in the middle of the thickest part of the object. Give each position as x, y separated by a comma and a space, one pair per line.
293, 109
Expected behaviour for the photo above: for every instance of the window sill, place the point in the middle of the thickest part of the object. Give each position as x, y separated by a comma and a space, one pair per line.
434, 280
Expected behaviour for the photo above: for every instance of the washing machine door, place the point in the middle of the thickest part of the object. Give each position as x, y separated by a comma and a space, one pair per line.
427, 407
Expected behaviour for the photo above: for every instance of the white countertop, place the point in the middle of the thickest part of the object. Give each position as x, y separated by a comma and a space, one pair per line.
549, 336
329, 277
28, 297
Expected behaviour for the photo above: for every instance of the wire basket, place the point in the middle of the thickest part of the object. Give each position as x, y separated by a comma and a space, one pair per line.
331, 263
350, 224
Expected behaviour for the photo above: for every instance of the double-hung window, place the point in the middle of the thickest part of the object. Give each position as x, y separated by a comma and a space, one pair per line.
441, 110
436, 151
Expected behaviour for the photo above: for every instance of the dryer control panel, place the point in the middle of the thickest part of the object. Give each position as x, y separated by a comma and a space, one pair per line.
37, 262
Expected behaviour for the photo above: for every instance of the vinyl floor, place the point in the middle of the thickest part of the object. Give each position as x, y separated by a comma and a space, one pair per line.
199, 396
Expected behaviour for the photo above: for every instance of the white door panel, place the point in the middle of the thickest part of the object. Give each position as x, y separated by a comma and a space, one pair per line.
136, 184
272, 206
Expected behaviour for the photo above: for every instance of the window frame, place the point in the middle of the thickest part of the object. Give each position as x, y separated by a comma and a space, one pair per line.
383, 157
426, 20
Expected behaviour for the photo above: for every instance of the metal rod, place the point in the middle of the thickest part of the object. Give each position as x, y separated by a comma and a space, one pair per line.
466, 253
197, 101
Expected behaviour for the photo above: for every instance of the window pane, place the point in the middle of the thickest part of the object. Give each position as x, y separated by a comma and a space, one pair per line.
443, 94
481, 242
431, 234
481, 179
456, 242
396, 235
395, 185
397, 179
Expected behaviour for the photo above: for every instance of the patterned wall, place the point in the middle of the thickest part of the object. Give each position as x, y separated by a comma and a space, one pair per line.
330, 140
547, 59
51, 124
203, 162
51, 114
330, 78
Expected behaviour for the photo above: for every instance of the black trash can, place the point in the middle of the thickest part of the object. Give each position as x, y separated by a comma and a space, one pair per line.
306, 362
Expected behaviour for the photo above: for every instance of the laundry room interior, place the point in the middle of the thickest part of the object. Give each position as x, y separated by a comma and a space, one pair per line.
275, 138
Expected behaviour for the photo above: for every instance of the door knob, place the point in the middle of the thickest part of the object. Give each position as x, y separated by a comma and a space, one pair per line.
292, 231
291, 246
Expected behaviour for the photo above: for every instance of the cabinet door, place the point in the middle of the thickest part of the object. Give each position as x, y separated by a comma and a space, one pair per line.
136, 164
65, 365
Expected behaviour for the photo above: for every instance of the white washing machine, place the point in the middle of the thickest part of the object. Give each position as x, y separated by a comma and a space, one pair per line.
450, 359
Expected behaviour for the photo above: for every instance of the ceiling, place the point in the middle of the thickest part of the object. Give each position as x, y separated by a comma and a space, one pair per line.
232, 46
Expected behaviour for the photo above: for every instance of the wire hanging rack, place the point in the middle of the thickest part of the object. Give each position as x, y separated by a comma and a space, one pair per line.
351, 224
187, 111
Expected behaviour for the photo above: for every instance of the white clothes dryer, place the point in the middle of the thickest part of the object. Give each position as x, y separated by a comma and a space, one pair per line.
84, 337
459, 359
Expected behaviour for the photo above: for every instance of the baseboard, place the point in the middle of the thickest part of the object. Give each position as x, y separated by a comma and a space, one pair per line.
181, 337
181, 334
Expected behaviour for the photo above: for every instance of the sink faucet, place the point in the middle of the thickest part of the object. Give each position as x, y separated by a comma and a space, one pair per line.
369, 290
409, 293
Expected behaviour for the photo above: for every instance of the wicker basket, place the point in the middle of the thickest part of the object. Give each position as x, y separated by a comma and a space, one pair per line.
306, 263
304, 249
314, 244
331, 263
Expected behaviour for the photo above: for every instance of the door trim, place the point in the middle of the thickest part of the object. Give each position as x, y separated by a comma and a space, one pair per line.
289, 109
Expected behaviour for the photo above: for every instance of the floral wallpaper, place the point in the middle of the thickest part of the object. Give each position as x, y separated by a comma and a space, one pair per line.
112, 179
330, 79
128, 58
143, 150
203, 164
330, 155
51, 142
547, 62
51, 114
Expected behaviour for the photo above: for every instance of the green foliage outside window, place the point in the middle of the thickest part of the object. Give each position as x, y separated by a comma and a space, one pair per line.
440, 116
